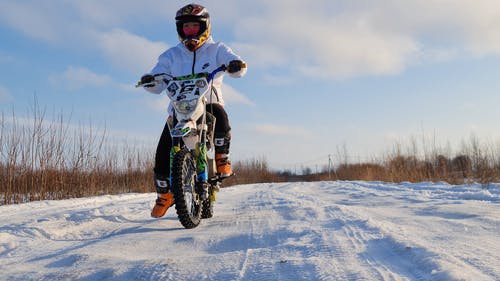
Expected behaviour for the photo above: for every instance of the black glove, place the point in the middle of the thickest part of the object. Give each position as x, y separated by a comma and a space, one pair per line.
147, 79
234, 66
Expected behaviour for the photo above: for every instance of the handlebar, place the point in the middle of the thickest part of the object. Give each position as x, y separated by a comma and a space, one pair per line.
163, 77
217, 70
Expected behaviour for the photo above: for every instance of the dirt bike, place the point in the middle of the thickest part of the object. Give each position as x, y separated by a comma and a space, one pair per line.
193, 177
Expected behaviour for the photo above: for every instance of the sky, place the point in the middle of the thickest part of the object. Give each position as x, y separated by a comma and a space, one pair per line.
323, 76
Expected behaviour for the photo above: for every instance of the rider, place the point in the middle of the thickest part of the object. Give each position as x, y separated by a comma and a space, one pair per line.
196, 52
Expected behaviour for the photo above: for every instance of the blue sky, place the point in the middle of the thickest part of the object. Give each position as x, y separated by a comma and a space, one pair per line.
323, 75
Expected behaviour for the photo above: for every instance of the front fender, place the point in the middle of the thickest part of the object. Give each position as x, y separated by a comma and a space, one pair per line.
182, 129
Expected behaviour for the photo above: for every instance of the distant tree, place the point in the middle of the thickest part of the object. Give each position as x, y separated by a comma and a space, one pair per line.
306, 171
462, 164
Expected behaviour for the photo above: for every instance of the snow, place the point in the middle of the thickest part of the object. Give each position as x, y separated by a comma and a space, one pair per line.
276, 231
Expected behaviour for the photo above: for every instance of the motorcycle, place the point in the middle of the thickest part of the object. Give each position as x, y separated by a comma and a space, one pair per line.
193, 178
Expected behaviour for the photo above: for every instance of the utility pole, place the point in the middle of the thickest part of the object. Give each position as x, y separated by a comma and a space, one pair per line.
330, 166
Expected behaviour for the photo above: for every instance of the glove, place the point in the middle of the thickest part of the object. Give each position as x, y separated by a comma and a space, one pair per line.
234, 66
147, 79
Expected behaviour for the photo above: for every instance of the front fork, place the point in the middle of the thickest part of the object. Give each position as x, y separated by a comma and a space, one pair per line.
175, 148
201, 162
201, 165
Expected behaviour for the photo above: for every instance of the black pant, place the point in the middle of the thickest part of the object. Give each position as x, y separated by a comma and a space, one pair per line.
222, 131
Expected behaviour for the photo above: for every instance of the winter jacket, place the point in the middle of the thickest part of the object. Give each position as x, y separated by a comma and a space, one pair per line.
179, 61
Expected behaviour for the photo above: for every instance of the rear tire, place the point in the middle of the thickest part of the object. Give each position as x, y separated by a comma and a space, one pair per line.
188, 203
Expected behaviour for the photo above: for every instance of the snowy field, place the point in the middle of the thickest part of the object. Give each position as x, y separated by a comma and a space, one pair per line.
283, 231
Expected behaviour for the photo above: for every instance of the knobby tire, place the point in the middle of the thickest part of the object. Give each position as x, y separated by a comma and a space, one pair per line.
184, 172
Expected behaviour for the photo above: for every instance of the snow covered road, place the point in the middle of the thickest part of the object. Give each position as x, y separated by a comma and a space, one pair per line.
281, 231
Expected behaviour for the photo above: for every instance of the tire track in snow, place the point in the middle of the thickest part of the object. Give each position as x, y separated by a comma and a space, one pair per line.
348, 242
265, 243
378, 257
314, 244
394, 252
286, 231
343, 262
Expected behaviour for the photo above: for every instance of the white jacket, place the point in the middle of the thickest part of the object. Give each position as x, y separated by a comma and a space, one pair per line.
179, 61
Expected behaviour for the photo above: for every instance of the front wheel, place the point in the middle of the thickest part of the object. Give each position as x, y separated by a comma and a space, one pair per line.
188, 203
208, 209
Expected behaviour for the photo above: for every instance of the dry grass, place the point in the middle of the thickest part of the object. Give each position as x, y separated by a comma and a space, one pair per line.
252, 171
473, 162
50, 159
42, 159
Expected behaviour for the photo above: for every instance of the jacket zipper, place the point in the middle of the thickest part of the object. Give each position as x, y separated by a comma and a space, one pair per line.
194, 62
192, 72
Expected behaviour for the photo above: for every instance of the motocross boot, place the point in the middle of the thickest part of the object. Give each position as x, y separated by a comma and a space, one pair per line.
165, 197
222, 143
213, 193
223, 165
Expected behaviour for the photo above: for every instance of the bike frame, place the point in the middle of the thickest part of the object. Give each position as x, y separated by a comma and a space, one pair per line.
188, 95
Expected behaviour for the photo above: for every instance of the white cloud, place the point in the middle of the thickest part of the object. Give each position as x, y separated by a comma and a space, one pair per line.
362, 51
351, 38
278, 80
60, 20
89, 26
158, 103
281, 130
260, 55
129, 51
317, 43
231, 96
325, 38
34, 19
76, 78
114, 13
4, 94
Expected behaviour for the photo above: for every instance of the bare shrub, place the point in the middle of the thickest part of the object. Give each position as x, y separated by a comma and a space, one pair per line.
475, 162
364, 171
48, 159
252, 171
51, 159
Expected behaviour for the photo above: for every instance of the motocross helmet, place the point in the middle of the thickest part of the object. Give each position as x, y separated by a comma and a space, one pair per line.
193, 13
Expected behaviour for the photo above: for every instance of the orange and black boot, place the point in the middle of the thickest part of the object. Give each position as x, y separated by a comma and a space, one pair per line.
222, 143
223, 165
165, 198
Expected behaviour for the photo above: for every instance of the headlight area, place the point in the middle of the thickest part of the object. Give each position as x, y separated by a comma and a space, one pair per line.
185, 106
